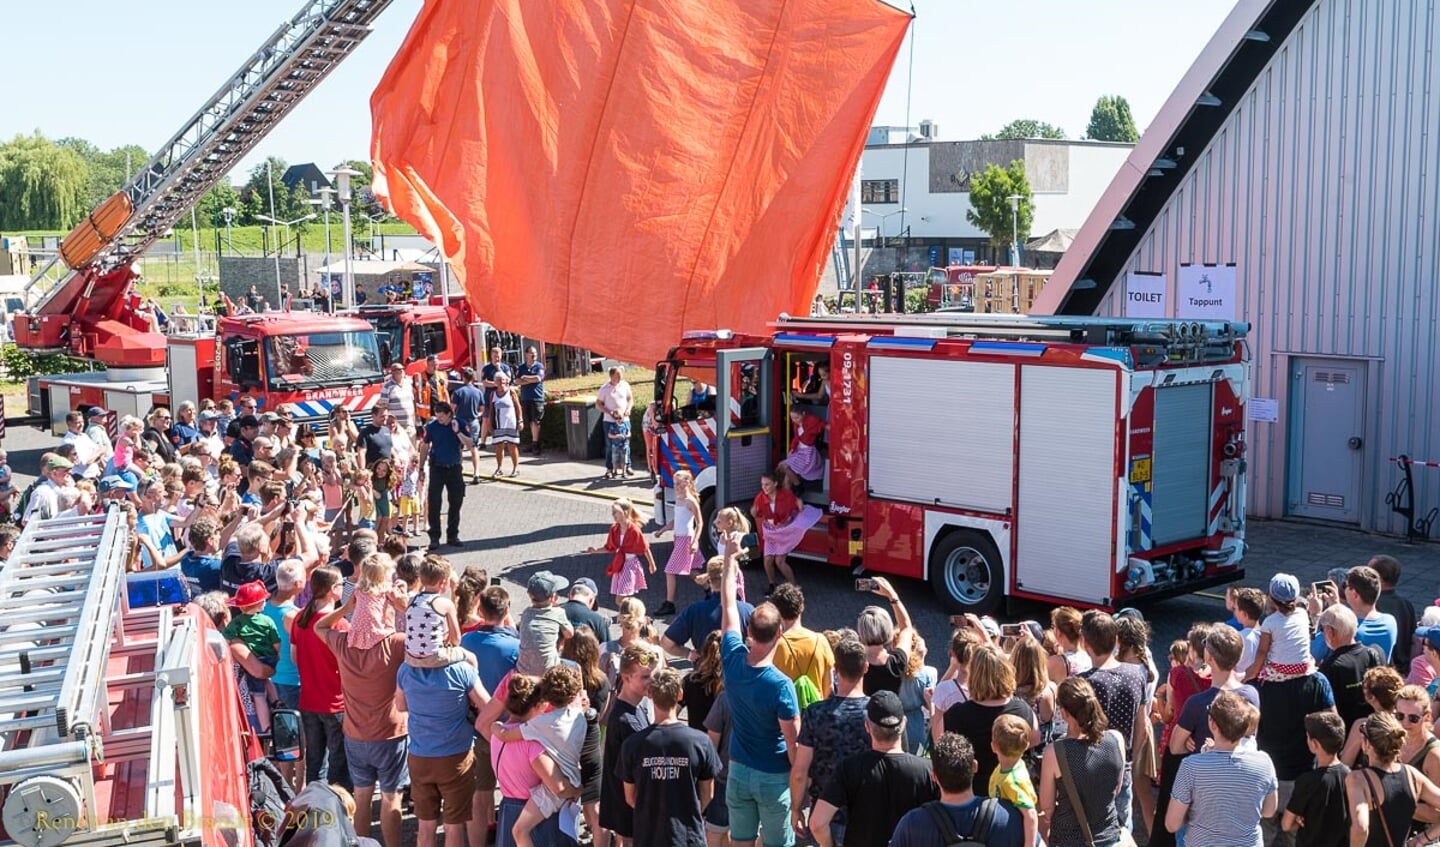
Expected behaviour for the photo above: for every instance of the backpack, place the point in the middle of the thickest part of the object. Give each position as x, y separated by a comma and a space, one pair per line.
269, 795
979, 832
805, 692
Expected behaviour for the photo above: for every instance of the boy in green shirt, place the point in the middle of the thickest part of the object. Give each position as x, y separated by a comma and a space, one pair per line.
256, 631
1010, 738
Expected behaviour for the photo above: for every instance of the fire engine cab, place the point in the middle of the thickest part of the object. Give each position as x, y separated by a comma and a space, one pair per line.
1090, 461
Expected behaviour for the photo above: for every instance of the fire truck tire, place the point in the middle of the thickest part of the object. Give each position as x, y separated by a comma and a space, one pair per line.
965, 572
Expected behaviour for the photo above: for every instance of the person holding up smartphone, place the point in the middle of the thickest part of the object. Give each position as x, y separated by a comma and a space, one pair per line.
887, 641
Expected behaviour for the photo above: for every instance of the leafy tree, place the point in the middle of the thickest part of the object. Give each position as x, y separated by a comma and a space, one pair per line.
108, 171
990, 210
255, 195
1026, 128
42, 185
1111, 120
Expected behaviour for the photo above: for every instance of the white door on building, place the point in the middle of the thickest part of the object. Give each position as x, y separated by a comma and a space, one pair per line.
1327, 438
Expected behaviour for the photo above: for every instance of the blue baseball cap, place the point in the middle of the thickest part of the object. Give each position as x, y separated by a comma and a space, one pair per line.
1430, 635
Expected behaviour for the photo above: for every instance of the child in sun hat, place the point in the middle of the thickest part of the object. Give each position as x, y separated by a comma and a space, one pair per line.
1284, 649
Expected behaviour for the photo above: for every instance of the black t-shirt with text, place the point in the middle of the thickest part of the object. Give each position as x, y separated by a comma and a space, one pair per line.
666, 763
876, 790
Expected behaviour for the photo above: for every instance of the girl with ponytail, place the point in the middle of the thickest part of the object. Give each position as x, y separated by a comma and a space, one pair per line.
1080, 775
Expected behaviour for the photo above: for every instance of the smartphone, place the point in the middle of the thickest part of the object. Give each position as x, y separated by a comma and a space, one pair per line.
958, 621
1010, 630
1327, 585
494, 580
865, 584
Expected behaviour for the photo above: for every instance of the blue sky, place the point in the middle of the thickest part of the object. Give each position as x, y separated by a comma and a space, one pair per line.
102, 70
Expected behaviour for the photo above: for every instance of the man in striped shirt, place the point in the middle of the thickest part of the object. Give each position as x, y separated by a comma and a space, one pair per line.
1221, 793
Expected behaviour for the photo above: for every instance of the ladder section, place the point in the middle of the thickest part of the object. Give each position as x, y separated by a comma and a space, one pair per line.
286, 68
1088, 330
60, 595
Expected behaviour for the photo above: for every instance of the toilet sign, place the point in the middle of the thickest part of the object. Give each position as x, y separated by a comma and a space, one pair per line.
1145, 295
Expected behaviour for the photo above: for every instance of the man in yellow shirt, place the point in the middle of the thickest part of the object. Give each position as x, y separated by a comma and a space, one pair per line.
801, 651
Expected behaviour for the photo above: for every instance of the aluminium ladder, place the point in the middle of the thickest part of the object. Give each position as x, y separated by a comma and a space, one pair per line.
286, 68
60, 603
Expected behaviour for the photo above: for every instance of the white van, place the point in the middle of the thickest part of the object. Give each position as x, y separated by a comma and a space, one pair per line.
12, 301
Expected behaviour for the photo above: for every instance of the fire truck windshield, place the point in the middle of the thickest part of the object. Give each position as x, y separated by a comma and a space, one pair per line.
321, 359
389, 335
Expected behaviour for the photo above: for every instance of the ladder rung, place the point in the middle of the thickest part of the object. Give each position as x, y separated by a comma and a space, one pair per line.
26, 582
44, 635
39, 676
60, 615
29, 701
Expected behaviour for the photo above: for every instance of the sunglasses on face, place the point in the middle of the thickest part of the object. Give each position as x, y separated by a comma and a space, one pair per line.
1404, 718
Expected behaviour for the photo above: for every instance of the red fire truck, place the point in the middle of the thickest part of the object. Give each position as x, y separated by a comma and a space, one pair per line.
1090, 461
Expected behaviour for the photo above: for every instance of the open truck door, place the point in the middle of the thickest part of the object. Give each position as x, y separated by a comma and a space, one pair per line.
743, 417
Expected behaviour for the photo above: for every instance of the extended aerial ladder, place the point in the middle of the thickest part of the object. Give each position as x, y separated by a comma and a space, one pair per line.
98, 741
83, 298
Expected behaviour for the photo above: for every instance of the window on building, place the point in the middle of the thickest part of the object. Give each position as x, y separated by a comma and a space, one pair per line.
879, 191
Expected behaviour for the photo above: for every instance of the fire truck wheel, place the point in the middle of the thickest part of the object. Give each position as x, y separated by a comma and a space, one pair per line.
965, 572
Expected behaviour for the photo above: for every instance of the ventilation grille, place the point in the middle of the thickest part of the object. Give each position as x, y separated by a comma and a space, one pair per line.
1341, 377
1315, 498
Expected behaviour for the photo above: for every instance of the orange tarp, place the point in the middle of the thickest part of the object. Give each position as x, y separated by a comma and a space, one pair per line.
608, 173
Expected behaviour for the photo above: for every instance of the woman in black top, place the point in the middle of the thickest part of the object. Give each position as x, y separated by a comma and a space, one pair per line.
584, 650
887, 642
1384, 795
702, 685
992, 694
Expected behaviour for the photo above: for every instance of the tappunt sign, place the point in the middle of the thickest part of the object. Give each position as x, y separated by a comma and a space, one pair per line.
1206, 292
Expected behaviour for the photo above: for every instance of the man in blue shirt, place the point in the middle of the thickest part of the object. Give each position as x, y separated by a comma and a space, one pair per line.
469, 403
687, 633
496, 646
764, 713
530, 376
442, 448
442, 755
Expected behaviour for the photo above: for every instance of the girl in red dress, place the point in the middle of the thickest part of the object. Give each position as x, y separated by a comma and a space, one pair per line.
627, 542
783, 521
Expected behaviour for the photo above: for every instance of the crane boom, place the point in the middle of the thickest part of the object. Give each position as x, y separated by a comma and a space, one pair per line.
88, 283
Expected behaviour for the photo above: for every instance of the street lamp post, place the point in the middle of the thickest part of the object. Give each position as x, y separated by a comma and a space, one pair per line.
880, 231
324, 202
1015, 230
229, 213
343, 176
279, 288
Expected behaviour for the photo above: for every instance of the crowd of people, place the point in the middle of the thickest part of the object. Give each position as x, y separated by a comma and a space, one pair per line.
1307, 718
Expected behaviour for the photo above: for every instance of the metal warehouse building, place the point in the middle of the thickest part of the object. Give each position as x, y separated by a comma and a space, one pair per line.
1298, 161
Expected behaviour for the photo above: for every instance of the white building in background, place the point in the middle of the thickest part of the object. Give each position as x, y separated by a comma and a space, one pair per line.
915, 191
1293, 177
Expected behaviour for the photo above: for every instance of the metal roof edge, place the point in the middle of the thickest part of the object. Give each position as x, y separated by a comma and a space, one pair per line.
1216, 63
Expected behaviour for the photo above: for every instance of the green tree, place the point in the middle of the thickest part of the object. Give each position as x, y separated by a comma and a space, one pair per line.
1111, 120
109, 171
255, 195
1026, 128
991, 211
42, 185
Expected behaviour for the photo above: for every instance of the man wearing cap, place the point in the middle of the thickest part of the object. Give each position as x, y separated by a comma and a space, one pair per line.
87, 452
45, 499
441, 448
469, 403
876, 787
242, 449
431, 386
396, 395
669, 771
209, 440
580, 608
95, 428
687, 633
543, 626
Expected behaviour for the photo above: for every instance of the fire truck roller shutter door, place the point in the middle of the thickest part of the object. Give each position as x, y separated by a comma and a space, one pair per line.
1180, 468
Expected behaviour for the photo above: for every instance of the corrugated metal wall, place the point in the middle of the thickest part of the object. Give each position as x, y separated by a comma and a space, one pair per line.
1322, 188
